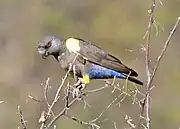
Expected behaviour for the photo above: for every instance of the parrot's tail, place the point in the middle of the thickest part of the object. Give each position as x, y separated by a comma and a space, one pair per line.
135, 80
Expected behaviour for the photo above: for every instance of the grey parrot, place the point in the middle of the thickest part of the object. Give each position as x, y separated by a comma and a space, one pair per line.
89, 61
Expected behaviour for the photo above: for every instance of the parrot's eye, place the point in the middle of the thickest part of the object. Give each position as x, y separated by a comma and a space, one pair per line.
49, 43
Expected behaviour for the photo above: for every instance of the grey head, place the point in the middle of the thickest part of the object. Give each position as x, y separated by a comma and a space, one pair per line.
51, 45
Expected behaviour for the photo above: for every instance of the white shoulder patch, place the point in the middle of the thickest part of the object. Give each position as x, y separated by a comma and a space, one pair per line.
72, 45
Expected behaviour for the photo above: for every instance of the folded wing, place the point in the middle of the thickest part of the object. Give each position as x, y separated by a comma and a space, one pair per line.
96, 55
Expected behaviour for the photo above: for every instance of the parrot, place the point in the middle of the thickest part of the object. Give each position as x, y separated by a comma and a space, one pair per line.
89, 61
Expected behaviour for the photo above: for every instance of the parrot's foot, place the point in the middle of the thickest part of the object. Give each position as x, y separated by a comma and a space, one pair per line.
79, 85
76, 93
77, 90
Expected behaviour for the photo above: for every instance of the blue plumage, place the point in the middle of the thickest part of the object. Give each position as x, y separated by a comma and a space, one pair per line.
99, 72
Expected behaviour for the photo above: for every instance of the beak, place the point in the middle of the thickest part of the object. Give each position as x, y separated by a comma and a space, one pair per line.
43, 52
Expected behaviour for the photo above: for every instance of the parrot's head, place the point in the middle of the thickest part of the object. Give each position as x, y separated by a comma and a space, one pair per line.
50, 45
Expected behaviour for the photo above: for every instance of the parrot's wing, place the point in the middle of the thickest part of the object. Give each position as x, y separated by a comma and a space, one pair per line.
96, 55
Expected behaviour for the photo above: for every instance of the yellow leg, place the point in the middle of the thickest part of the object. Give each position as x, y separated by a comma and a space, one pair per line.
80, 85
85, 79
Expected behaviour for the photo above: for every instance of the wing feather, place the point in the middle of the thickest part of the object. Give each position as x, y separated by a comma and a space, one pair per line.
96, 55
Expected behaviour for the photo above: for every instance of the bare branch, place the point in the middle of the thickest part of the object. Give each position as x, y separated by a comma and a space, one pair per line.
60, 87
46, 90
35, 99
63, 112
93, 125
115, 126
98, 89
150, 76
46, 87
22, 120
2, 101
150, 79
129, 121
164, 49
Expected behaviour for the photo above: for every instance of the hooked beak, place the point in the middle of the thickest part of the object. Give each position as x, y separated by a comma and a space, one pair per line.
43, 52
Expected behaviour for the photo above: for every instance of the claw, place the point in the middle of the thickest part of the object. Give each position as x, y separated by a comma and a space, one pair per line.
75, 93
79, 86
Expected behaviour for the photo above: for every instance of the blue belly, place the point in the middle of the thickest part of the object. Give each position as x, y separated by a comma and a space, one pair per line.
99, 72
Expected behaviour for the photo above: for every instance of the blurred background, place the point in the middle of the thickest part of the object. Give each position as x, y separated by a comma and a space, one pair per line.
117, 26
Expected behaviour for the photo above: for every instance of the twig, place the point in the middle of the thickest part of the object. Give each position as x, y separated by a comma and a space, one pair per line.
67, 97
107, 107
45, 91
34, 99
63, 112
164, 49
60, 87
2, 101
97, 90
93, 125
115, 126
22, 120
129, 121
46, 87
